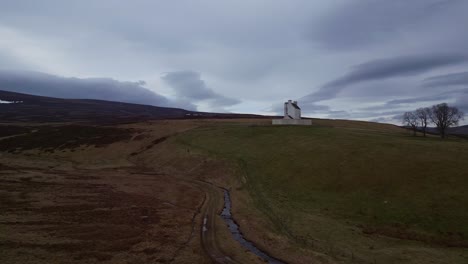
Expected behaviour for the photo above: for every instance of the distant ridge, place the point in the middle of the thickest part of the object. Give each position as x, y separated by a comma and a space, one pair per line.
32, 108
461, 130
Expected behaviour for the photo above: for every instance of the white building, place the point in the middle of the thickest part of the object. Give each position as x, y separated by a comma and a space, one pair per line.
292, 110
292, 115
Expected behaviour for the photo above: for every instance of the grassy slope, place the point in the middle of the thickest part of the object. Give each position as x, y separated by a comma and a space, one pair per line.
375, 176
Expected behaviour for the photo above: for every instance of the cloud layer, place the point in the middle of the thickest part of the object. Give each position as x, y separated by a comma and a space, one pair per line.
342, 59
189, 86
382, 69
90, 88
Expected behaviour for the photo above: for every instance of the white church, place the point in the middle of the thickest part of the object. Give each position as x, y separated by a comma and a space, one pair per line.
292, 115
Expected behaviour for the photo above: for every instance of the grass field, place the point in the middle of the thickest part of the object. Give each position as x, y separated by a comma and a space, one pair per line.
336, 192
375, 180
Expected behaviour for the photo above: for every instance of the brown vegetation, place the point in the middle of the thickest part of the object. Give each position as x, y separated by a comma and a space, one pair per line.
79, 212
137, 193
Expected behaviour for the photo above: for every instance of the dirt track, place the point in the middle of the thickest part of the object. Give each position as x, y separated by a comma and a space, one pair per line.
213, 203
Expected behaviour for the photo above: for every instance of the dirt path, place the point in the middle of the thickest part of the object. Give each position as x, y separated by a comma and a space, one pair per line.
213, 203
210, 209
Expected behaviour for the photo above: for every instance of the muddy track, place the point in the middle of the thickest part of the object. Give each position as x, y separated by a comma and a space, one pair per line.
192, 232
210, 208
213, 204
209, 211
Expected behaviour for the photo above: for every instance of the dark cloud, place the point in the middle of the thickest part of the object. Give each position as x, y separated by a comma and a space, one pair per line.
460, 78
384, 69
189, 86
90, 88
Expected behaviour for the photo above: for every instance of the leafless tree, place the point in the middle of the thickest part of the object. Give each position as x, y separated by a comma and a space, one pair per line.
444, 116
423, 115
411, 119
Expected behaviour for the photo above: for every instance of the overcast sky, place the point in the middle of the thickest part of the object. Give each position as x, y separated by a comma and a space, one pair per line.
362, 59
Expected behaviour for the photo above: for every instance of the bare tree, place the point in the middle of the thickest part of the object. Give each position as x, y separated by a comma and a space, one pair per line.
444, 116
423, 115
411, 119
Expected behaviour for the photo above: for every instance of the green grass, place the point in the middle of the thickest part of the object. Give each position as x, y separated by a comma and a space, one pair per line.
382, 180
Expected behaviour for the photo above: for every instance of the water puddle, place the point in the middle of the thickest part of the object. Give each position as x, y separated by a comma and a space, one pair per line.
234, 229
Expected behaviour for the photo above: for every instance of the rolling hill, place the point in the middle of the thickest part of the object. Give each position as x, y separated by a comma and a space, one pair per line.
361, 192
32, 108
339, 191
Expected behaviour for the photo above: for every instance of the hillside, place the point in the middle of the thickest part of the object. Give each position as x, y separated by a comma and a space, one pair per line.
32, 108
347, 189
338, 191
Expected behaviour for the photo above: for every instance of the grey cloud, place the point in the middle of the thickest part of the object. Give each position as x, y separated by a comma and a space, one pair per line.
380, 89
189, 86
462, 102
89, 88
308, 107
393, 116
9, 61
358, 24
375, 114
396, 119
362, 114
419, 99
395, 108
410, 102
460, 78
261, 51
384, 69
429, 98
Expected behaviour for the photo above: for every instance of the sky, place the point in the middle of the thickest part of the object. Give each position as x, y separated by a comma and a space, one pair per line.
341, 59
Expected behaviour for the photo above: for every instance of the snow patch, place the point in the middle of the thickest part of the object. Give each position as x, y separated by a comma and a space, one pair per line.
10, 102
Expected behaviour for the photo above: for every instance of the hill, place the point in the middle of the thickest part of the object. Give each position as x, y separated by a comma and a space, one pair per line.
339, 191
359, 191
461, 130
32, 108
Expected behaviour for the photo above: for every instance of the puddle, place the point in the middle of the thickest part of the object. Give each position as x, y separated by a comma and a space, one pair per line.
234, 229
